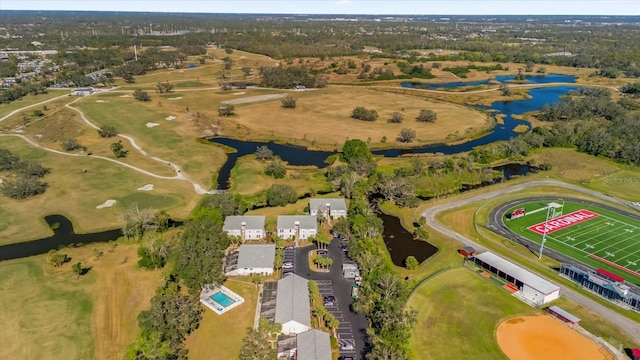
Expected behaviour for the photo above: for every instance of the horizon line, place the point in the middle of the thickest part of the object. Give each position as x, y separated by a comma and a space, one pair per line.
313, 14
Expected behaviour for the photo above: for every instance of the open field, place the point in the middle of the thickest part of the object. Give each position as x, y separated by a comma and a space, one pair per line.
76, 194
543, 337
589, 234
248, 178
220, 336
5, 109
173, 140
323, 117
457, 315
47, 313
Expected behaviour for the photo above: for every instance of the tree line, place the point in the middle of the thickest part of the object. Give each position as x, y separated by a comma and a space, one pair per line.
588, 119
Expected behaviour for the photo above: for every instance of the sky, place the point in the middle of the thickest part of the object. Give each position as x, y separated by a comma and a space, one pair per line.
376, 7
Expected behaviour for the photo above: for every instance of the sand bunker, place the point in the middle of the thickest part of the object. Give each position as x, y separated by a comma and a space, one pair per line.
106, 204
239, 93
1, 181
101, 101
147, 187
169, 118
175, 98
150, 124
125, 95
543, 337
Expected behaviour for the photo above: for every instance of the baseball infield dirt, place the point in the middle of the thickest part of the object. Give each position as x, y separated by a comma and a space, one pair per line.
546, 338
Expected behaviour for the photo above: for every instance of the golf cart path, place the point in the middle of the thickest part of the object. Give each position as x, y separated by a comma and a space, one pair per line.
627, 325
179, 175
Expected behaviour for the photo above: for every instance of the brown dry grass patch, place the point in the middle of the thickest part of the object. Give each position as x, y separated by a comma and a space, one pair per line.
323, 117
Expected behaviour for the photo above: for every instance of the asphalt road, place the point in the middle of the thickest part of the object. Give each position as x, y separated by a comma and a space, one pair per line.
341, 289
628, 326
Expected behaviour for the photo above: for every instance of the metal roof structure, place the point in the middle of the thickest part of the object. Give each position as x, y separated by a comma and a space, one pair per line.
334, 203
256, 256
314, 345
292, 301
234, 222
304, 221
527, 277
564, 314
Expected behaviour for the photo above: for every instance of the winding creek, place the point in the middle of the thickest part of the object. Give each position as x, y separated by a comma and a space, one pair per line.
398, 240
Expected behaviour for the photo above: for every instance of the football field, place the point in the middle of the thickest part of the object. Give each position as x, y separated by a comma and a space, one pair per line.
590, 234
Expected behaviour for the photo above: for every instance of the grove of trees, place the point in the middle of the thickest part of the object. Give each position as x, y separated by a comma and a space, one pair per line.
24, 176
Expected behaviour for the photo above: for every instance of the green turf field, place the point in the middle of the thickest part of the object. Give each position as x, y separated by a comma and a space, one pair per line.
609, 241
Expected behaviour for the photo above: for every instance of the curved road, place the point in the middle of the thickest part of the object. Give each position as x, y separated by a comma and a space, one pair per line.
627, 325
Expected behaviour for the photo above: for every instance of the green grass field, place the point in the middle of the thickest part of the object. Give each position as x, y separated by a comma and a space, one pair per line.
458, 313
610, 241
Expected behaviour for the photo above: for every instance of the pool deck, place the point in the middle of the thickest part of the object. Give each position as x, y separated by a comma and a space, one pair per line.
205, 299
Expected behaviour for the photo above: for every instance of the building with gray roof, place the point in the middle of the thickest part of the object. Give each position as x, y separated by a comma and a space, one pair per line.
300, 227
292, 305
333, 207
313, 345
245, 227
252, 259
531, 287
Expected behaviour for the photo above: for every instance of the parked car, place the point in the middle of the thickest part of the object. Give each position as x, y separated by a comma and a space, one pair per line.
287, 273
329, 301
289, 247
344, 249
347, 347
287, 265
322, 252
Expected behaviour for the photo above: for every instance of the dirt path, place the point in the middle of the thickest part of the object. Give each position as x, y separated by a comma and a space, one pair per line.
627, 325
251, 99
543, 337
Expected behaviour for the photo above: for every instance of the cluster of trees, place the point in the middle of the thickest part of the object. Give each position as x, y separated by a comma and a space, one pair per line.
118, 150
276, 169
24, 176
362, 113
407, 135
20, 90
164, 87
257, 344
195, 261
287, 77
281, 194
106, 131
141, 95
288, 102
415, 71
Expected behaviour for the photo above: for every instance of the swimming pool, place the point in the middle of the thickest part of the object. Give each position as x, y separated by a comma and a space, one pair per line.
222, 299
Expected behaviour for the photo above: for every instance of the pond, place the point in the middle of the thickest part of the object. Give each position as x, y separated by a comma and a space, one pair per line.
401, 243
529, 79
301, 156
63, 235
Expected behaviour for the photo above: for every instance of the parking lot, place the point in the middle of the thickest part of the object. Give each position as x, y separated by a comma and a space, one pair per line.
346, 339
288, 256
